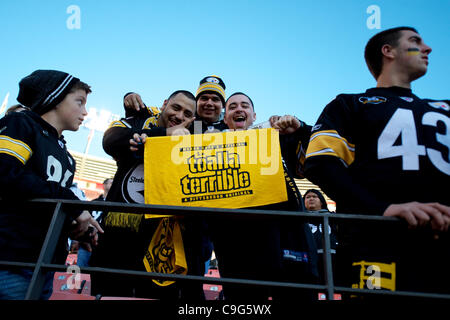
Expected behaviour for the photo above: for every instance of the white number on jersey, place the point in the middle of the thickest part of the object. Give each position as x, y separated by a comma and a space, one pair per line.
54, 171
402, 125
431, 119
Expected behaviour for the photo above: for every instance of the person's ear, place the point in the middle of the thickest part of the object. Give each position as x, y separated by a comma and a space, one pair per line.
164, 104
388, 51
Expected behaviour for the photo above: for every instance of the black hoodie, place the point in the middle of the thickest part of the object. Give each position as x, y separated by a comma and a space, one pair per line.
34, 163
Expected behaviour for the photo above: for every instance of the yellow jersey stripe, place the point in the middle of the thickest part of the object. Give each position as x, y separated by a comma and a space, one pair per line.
333, 133
331, 143
16, 148
118, 123
151, 120
154, 110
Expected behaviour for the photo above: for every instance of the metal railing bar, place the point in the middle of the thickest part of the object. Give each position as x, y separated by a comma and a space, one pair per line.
173, 277
212, 280
394, 293
327, 258
46, 254
58, 218
206, 211
17, 264
263, 283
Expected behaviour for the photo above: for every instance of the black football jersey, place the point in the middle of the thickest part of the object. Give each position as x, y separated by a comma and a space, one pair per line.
34, 163
393, 144
128, 184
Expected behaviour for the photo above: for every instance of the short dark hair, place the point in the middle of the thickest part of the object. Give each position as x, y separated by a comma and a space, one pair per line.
372, 52
186, 93
80, 85
236, 93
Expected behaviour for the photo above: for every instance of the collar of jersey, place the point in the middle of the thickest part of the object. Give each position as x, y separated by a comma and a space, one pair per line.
398, 91
44, 124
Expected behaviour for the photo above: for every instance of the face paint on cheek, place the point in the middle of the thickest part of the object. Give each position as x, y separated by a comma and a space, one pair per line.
413, 51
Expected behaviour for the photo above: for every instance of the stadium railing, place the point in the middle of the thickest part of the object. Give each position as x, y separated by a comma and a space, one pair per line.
43, 264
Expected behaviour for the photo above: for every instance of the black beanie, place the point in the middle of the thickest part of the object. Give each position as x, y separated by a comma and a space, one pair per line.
42, 90
320, 195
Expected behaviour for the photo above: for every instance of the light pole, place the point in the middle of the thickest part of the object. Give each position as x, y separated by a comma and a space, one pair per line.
96, 121
4, 104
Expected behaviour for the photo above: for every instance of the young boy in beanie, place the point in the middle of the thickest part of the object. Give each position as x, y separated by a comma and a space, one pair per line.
34, 163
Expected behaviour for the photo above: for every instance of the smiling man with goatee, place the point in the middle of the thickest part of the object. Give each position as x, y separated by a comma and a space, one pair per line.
130, 234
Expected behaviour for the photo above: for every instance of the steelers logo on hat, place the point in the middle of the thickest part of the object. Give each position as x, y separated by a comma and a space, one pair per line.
212, 80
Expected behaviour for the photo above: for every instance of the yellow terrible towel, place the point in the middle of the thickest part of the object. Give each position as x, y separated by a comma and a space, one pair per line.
165, 253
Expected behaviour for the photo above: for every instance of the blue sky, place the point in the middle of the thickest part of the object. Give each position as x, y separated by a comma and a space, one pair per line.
290, 57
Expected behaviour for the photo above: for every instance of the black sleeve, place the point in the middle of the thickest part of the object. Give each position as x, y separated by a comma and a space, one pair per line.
329, 156
293, 148
116, 140
17, 178
130, 112
19, 181
333, 178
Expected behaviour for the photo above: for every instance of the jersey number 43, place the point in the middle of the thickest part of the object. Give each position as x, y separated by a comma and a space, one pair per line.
402, 125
